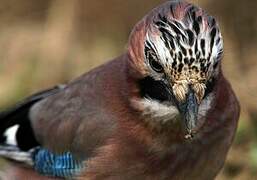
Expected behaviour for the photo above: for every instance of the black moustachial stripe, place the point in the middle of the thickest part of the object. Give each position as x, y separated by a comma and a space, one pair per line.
209, 86
150, 88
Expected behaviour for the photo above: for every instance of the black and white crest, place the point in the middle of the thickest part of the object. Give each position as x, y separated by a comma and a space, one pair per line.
188, 45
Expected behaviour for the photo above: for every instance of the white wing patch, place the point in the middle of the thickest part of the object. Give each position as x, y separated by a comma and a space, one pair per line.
10, 135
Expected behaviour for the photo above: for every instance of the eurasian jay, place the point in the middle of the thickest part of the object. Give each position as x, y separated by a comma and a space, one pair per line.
162, 110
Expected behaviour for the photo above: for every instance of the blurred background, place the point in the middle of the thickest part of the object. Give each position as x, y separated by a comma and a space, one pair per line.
45, 42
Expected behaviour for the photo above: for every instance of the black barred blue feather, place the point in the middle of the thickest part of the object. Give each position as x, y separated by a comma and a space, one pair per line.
45, 162
50, 164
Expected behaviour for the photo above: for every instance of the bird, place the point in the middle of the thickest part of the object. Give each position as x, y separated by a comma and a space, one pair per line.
161, 110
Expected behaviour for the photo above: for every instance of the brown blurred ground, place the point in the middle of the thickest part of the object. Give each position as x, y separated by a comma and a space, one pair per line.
45, 42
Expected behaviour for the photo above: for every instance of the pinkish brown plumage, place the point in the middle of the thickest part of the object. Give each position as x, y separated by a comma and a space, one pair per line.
162, 110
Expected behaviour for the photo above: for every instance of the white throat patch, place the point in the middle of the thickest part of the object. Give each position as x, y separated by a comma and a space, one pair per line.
160, 112
157, 111
205, 105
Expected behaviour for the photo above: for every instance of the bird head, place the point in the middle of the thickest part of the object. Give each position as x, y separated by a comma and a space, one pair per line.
175, 52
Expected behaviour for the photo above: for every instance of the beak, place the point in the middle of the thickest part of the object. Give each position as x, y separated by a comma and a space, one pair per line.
189, 111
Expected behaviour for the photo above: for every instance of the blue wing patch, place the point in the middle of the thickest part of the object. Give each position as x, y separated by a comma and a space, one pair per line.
63, 165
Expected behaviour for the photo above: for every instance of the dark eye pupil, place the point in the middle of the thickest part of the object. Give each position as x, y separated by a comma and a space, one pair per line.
156, 66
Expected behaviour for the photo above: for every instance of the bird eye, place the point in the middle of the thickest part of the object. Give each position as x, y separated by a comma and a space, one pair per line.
155, 65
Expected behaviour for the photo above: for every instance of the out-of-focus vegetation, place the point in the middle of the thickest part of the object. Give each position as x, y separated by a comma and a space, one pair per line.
45, 42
